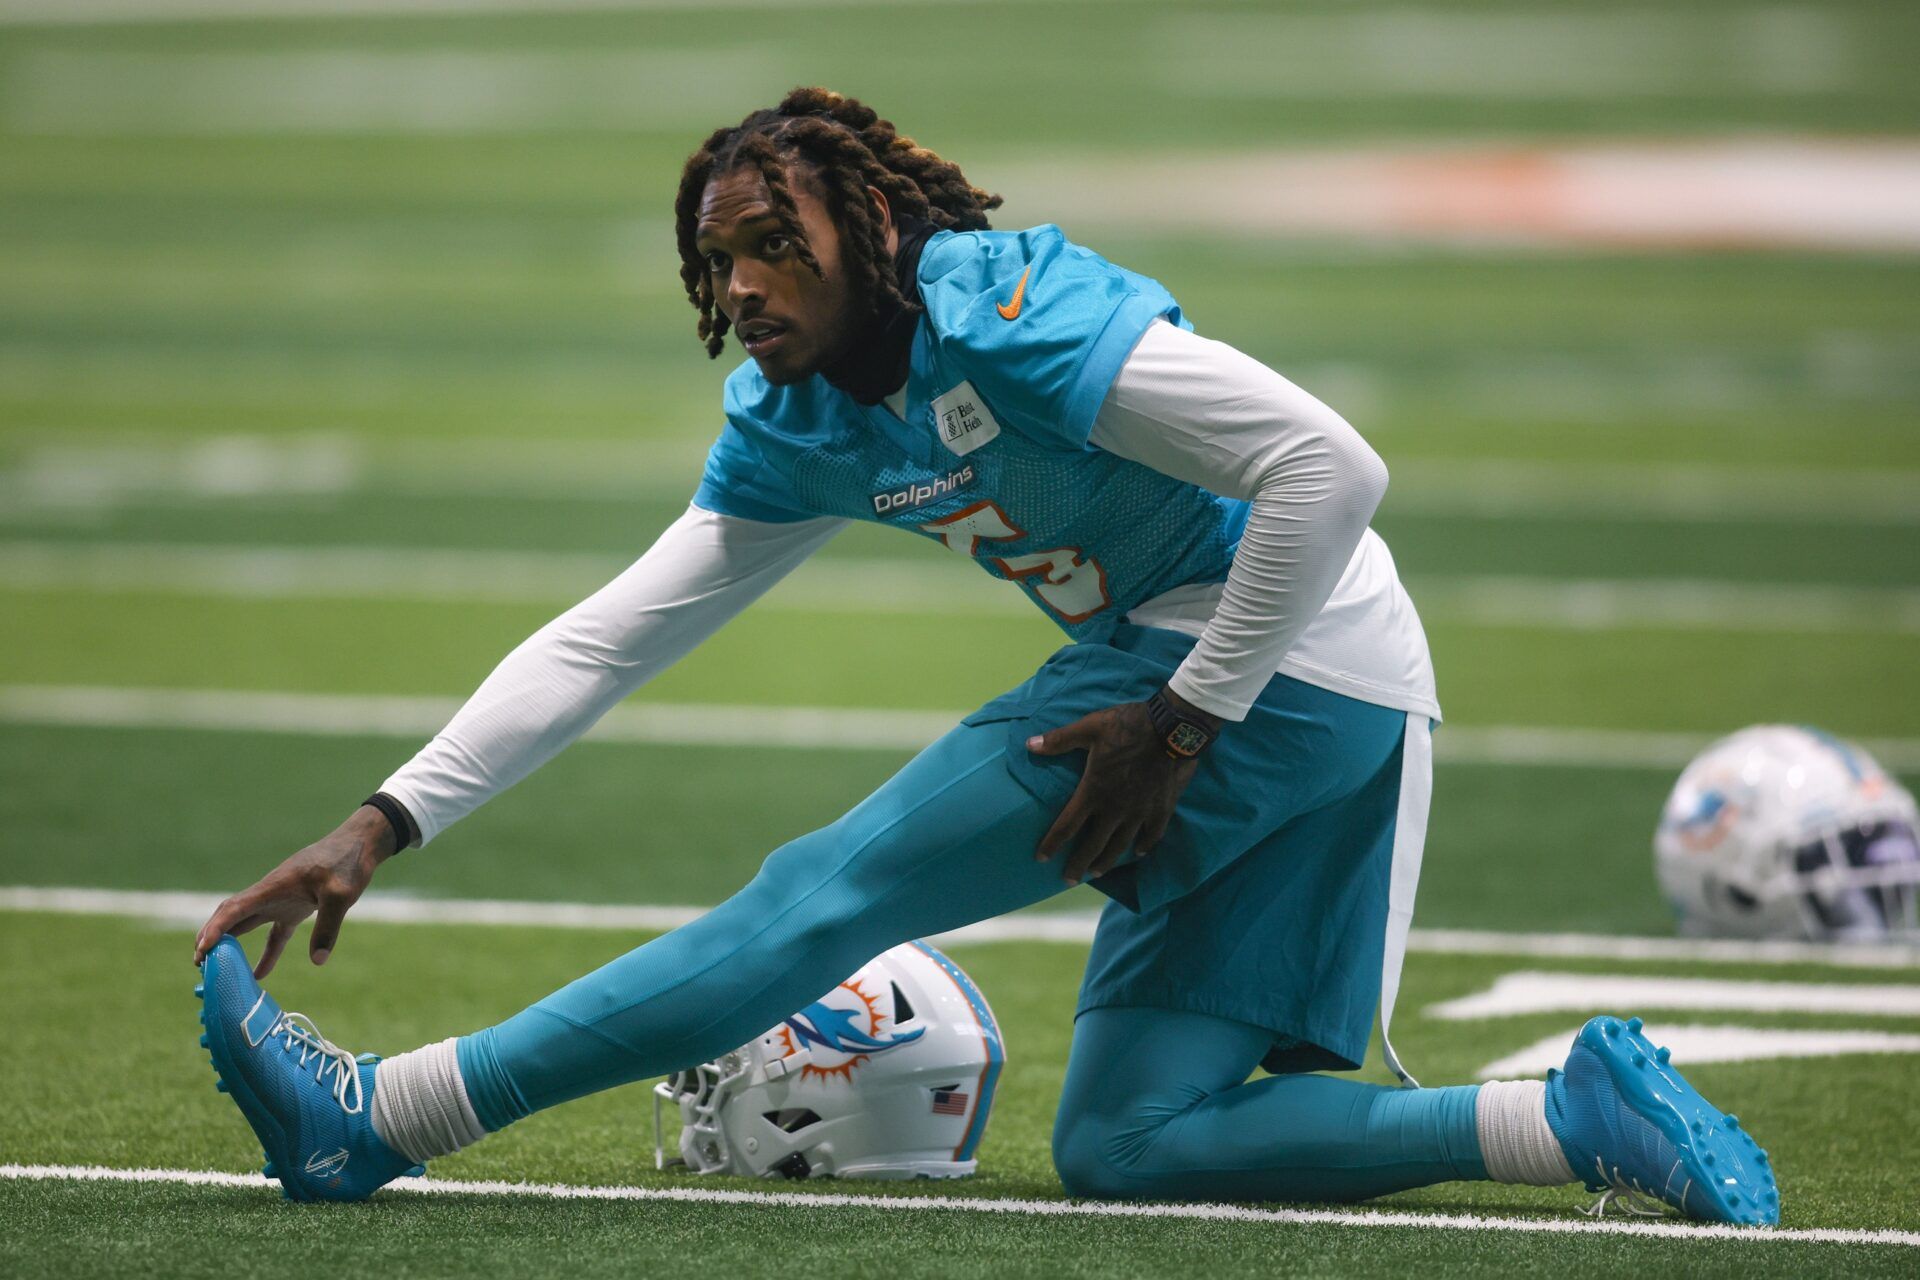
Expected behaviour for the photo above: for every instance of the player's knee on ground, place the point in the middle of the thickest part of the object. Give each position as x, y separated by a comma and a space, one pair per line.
1080, 1160
1092, 1154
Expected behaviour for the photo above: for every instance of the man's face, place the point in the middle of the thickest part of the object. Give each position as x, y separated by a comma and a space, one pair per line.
791, 321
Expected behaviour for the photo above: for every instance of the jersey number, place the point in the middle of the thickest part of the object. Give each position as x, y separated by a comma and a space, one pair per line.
1073, 586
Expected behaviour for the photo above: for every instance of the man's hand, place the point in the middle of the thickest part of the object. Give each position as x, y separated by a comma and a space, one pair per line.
328, 876
1126, 795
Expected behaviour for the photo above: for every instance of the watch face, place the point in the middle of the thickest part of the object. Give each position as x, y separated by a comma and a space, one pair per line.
1186, 739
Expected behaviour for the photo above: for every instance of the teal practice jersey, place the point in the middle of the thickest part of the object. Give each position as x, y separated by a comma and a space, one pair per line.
1023, 334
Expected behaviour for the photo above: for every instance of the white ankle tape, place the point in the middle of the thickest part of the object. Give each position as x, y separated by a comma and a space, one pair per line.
420, 1106
1510, 1117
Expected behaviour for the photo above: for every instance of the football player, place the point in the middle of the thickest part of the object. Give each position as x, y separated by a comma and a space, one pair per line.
1234, 746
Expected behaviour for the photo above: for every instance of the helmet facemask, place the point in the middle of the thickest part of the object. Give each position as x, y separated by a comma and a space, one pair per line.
1860, 883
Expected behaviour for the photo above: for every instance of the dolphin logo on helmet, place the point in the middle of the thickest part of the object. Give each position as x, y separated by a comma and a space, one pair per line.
832, 1028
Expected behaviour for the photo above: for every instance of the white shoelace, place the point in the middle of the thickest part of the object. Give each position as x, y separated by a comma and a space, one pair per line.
301, 1034
1632, 1198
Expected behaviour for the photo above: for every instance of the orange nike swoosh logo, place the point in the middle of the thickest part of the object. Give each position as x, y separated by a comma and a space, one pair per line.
1011, 310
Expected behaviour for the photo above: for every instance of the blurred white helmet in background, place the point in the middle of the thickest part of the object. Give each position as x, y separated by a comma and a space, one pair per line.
889, 1075
1787, 832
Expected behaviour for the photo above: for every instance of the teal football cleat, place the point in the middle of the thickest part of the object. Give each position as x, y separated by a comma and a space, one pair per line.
1633, 1128
308, 1100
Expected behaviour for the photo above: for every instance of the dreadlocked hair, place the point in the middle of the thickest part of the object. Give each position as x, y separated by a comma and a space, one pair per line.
845, 147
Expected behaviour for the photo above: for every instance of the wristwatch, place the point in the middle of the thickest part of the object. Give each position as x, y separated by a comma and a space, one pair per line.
1183, 736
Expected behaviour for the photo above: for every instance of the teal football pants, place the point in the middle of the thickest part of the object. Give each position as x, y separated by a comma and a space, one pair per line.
948, 841
1157, 1106
945, 842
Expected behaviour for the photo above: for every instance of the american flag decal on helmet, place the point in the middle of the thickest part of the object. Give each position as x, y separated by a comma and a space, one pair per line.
949, 1102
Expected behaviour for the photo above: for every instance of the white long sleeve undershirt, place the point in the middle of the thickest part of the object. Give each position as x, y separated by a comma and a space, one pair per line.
701, 571
1200, 411
1194, 409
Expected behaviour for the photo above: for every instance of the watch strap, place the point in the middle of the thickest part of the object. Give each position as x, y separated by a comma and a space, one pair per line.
1183, 735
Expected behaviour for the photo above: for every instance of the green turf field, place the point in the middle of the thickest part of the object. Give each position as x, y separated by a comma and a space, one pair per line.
346, 403
1835, 1126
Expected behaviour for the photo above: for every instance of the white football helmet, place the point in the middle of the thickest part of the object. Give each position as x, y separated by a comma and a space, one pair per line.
889, 1075
1786, 832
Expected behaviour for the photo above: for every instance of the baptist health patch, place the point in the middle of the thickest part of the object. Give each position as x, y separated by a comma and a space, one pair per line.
963, 420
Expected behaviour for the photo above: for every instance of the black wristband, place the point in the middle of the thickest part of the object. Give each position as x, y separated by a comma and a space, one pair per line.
405, 833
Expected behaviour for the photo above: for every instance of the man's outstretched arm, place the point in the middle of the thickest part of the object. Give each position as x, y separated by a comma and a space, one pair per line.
702, 571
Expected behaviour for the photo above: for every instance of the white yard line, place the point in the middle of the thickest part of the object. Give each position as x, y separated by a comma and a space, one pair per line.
1505, 53
355, 715
53, 473
189, 909
433, 91
933, 582
1426, 51
928, 584
1608, 196
1513, 994
1596, 946
1514, 745
106, 12
1608, 604
730, 725
1682, 492
1571, 1225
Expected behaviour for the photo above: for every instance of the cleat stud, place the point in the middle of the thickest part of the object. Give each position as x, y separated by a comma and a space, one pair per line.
1662, 1054
200, 988
1634, 1025
203, 1039
220, 1086
1639, 1059
268, 1171
1707, 1158
1698, 1127
1612, 1028
418, 1171
1733, 1122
